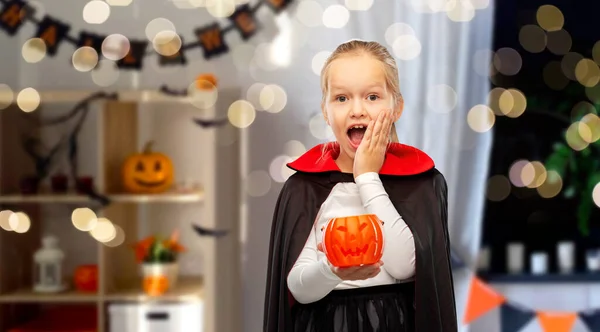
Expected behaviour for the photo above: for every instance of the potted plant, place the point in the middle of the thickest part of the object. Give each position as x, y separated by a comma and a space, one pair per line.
158, 257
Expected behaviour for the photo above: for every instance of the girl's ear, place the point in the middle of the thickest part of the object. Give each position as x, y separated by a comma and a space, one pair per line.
398, 109
324, 111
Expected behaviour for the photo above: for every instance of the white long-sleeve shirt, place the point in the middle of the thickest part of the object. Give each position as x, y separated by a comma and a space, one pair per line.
311, 277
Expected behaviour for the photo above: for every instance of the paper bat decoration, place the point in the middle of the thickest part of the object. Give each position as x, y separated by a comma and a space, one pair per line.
166, 90
209, 232
210, 123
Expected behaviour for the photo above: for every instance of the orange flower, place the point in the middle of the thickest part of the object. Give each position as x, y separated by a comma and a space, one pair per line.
142, 247
173, 244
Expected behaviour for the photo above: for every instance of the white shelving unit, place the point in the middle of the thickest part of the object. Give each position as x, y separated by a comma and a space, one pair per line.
118, 129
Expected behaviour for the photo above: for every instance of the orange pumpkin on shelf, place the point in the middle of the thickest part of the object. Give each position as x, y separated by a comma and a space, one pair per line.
155, 285
85, 278
148, 172
353, 241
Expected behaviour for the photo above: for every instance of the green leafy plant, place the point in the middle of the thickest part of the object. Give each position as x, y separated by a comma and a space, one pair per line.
155, 250
580, 171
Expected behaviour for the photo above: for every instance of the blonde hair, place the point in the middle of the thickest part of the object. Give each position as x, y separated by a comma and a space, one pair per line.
377, 51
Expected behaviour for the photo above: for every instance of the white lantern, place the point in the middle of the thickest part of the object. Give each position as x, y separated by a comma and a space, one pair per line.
48, 267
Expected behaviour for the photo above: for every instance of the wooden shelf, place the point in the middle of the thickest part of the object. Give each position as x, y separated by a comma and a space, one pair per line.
115, 130
27, 295
117, 198
139, 96
187, 289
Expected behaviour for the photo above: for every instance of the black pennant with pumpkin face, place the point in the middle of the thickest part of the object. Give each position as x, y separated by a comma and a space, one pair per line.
244, 21
52, 32
278, 5
91, 40
134, 58
211, 40
175, 58
13, 15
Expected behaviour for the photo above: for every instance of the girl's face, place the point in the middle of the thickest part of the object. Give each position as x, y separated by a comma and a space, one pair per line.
357, 92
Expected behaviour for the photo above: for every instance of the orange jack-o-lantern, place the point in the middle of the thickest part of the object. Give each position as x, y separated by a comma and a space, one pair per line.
148, 172
206, 81
85, 278
353, 241
155, 285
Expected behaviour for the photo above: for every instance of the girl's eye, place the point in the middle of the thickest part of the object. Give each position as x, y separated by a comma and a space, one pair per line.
341, 99
373, 97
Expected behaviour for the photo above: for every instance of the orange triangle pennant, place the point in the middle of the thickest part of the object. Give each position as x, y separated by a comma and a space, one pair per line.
557, 321
482, 299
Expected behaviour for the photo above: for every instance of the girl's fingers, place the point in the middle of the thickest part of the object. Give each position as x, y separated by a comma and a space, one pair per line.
377, 130
369, 132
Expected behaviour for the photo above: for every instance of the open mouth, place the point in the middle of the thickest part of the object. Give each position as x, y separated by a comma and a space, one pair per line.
354, 252
355, 134
148, 183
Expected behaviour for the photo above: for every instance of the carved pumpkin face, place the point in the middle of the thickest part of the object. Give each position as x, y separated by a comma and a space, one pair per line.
147, 172
353, 241
155, 285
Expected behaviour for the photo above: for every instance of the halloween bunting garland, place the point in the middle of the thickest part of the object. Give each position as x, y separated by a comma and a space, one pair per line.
210, 37
514, 317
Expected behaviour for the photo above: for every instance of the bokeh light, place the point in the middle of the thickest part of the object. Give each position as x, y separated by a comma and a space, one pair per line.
6, 96
532, 38
512, 103
596, 195
318, 61
481, 118
406, 47
336, 17
106, 73
84, 219
19, 222
442, 98
96, 12
220, 8
550, 18
587, 72
104, 231
559, 42
507, 61
4, 217
552, 186
28, 100
34, 50
359, 5
115, 47
498, 188
515, 173
85, 59
258, 183
309, 13
241, 114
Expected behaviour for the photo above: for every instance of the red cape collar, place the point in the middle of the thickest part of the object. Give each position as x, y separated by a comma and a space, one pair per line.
400, 159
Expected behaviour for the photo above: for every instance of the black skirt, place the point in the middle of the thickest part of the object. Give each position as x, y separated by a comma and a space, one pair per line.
383, 308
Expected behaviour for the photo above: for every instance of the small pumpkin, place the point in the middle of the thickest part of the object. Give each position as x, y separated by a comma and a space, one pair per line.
148, 172
206, 82
353, 241
85, 278
155, 285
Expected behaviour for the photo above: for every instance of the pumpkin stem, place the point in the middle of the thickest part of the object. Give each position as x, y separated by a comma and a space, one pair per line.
148, 147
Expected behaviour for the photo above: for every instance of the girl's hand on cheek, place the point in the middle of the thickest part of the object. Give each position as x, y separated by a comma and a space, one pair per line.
371, 151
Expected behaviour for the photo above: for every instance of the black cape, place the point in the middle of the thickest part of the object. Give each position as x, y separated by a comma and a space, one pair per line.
417, 190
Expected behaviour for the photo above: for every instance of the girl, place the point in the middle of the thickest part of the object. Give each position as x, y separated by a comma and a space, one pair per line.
365, 171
